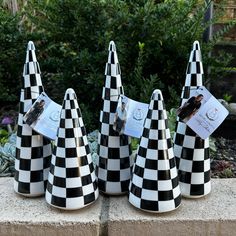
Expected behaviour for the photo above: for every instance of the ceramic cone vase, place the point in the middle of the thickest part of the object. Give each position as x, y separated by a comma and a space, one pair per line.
114, 150
72, 181
33, 151
154, 184
192, 152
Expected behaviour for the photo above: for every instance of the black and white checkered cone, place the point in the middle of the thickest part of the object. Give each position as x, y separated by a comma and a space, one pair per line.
72, 181
33, 151
114, 150
192, 152
154, 184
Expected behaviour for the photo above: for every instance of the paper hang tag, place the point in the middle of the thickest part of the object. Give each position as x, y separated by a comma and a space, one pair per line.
129, 117
203, 113
44, 116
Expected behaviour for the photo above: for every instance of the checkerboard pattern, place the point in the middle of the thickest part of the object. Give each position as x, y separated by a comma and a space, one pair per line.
72, 182
33, 151
192, 152
154, 184
114, 150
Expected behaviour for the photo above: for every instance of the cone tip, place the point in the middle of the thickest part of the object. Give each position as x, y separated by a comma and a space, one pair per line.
30, 46
112, 46
196, 45
157, 95
70, 91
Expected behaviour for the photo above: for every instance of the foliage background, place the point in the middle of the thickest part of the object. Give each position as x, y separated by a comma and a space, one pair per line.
153, 40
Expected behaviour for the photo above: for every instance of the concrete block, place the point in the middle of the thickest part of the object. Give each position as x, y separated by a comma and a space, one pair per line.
33, 216
214, 214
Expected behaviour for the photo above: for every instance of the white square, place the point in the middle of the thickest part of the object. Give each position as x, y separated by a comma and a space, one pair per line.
113, 164
140, 161
153, 134
189, 141
138, 181
37, 188
149, 195
103, 151
81, 151
70, 142
124, 151
84, 170
73, 182
166, 206
150, 174
164, 185
162, 144
181, 128
113, 187
102, 174
199, 154
152, 154
177, 150
125, 174
163, 165
74, 203
60, 172
69, 124
176, 191
24, 176
25, 153
197, 178
36, 164
161, 124
60, 152
36, 141
58, 191
61, 133
136, 201
144, 142
185, 165
72, 162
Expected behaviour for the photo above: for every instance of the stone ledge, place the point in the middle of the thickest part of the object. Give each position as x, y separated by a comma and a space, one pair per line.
114, 216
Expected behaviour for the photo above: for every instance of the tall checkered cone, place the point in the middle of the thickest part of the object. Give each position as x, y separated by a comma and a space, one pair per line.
192, 152
33, 151
72, 181
114, 150
154, 184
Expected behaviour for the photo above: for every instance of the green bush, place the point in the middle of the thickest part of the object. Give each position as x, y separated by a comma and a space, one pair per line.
153, 40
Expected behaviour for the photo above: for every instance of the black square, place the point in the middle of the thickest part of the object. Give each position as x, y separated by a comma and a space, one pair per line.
151, 164
36, 176
104, 140
49, 187
177, 200
190, 132
60, 142
113, 106
172, 163
71, 152
103, 163
146, 132
155, 105
114, 153
164, 175
25, 164
199, 143
179, 139
86, 180
154, 124
197, 189
61, 162
149, 205
26, 141
83, 160
89, 198
150, 184
124, 163
136, 190
69, 133
138, 171
175, 182
207, 176
187, 153
72, 172
113, 176
102, 185
113, 82
124, 140
36, 152
59, 182
165, 195
142, 151
58, 201
24, 187
106, 117
74, 192
124, 186
198, 166
153, 144
184, 177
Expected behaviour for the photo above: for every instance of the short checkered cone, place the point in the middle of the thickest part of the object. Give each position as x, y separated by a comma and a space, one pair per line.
33, 151
72, 181
114, 150
154, 184
192, 152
